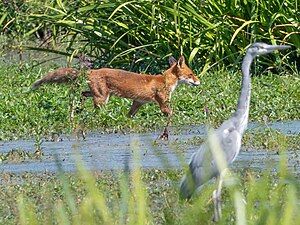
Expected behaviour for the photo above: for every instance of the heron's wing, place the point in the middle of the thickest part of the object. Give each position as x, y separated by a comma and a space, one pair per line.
230, 140
201, 169
203, 166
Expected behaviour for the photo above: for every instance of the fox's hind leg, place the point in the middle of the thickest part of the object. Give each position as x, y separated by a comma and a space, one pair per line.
136, 105
99, 91
100, 99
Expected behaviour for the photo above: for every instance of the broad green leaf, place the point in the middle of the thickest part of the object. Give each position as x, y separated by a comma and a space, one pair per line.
3, 18
33, 30
59, 2
8, 23
192, 55
56, 10
240, 28
118, 8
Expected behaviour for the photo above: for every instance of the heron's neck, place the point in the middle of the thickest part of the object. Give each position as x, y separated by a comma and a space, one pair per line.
242, 111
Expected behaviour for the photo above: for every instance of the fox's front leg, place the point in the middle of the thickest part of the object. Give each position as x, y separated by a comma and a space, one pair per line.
166, 109
163, 99
136, 105
165, 135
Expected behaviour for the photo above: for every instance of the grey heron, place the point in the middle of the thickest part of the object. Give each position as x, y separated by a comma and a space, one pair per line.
203, 165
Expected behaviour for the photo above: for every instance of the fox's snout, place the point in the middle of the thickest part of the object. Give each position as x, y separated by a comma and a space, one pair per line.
191, 80
195, 83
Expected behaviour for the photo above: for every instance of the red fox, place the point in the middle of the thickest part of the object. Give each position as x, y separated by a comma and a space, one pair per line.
140, 87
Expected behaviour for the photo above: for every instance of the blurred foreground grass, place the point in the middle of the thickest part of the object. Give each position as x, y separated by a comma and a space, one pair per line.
146, 197
269, 195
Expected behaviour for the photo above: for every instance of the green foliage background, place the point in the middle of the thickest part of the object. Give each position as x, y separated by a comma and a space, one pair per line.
131, 34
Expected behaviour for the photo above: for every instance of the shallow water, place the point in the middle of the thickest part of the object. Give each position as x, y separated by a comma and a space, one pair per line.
116, 151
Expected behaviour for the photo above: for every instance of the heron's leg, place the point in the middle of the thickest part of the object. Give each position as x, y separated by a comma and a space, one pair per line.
217, 201
219, 197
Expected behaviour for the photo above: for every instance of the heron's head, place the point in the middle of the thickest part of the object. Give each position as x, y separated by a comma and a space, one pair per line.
260, 48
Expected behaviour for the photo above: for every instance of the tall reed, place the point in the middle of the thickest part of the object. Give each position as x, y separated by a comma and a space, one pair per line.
130, 33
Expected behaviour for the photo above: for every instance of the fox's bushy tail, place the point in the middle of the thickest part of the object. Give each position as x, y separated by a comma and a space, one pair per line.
60, 76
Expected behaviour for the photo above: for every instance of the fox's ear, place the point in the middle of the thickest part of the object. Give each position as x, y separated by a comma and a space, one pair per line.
181, 61
172, 60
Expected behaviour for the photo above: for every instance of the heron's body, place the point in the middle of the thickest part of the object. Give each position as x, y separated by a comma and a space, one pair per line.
202, 166
200, 171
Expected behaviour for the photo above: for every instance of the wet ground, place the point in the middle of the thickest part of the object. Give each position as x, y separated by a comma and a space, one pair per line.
115, 151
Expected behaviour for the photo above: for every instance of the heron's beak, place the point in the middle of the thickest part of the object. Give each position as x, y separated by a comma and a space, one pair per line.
278, 47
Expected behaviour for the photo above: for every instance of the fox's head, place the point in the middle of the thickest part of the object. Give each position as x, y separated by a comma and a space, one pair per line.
183, 72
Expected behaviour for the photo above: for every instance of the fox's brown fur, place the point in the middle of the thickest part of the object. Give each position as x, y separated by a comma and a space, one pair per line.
139, 87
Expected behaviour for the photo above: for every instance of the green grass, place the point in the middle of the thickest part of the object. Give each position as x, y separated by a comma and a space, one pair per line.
25, 113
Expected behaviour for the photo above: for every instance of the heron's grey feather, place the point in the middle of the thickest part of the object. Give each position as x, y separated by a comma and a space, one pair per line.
202, 166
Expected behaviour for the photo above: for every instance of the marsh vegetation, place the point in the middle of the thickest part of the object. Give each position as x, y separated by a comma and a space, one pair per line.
139, 36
